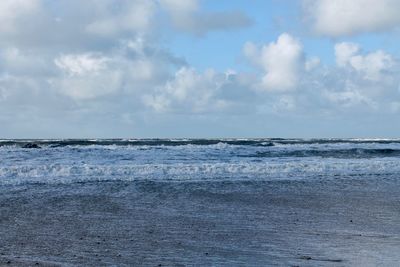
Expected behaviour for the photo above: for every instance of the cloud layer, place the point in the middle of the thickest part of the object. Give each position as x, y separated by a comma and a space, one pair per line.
96, 63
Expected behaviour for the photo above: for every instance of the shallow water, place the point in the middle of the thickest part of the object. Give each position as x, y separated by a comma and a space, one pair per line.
200, 202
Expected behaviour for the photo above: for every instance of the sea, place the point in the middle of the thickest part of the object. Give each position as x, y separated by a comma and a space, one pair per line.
200, 202
71, 161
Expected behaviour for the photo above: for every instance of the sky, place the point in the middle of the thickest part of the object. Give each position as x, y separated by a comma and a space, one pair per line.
199, 68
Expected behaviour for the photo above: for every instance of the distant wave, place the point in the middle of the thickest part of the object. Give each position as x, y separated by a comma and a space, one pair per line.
266, 142
331, 153
136, 142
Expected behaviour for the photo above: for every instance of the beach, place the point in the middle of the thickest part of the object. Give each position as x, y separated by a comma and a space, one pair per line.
284, 223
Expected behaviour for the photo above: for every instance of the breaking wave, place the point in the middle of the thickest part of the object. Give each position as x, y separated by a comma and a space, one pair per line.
70, 161
263, 142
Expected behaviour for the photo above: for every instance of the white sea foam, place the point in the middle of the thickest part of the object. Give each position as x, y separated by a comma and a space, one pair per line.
293, 170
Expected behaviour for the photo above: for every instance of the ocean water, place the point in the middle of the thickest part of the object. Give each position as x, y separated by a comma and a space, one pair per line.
200, 202
71, 161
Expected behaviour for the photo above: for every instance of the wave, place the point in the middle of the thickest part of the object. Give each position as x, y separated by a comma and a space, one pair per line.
294, 170
135, 142
262, 142
331, 153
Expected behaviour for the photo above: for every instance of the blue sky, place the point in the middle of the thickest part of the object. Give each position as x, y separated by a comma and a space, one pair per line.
199, 68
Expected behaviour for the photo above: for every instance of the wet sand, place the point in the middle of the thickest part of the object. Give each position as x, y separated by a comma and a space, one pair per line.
313, 223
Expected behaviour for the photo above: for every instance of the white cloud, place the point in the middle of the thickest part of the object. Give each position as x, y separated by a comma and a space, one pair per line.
360, 81
91, 75
344, 52
347, 17
188, 90
282, 62
348, 98
81, 64
86, 76
192, 92
371, 65
73, 24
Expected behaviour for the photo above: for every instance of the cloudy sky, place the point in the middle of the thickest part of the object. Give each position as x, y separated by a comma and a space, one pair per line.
199, 68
